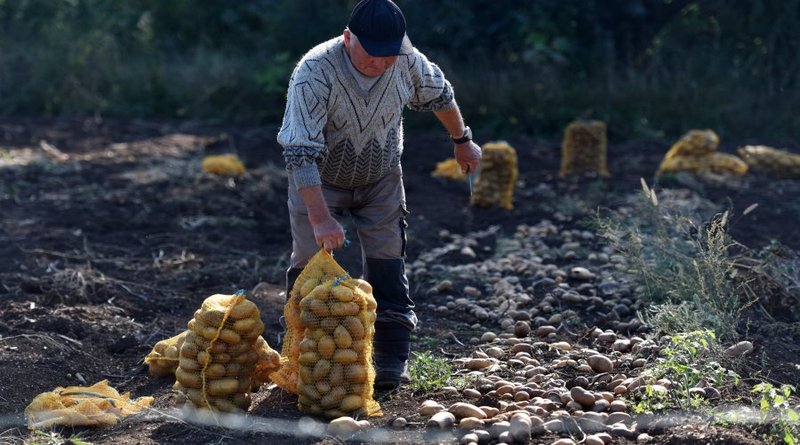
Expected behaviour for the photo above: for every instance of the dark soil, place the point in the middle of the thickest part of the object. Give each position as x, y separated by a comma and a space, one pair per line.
111, 237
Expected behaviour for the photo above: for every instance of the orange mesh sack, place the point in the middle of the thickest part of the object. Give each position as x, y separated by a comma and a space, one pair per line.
163, 358
770, 160
223, 165
694, 143
330, 321
448, 169
584, 149
713, 163
498, 175
218, 358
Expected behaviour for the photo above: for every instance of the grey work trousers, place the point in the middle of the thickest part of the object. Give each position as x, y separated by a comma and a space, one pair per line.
378, 211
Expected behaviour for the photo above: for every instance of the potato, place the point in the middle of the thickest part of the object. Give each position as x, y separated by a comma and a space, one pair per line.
351, 403
242, 400
335, 414
171, 352
215, 371
246, 325
218, 347
196, 397
245, 309
189, 364
212, 317
203, 358
354, 327
222, 387
309, 358
192, 325
230, 336
308, 286
372, 305
318, 307
342, 338
355, 373
321, 369
336, 376
248, 358
210, 333
355, 388
333, 398
237, 348
359, 346
308, 345
245, 383
233, 369
310, 391
225, 405
326, 347
189, 379
321, 292
329, 324
219, 358
345, 356
343, 294
309, 320
323, 387
339, 309
306, 374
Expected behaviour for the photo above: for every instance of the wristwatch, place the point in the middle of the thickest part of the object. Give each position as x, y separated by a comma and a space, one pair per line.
466, 137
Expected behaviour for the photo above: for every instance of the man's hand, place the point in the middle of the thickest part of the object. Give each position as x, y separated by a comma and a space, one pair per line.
328, 233
468, 156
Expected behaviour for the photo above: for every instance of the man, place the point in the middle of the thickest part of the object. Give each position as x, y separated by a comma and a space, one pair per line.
342, 139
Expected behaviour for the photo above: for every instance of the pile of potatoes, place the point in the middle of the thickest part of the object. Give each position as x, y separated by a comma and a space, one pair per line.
218, 358
497, 178
335, 373
584, 149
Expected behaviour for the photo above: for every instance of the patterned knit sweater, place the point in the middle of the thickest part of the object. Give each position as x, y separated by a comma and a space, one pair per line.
336, 133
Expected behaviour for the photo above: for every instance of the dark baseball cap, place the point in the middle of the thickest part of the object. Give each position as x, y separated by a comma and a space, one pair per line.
380, 28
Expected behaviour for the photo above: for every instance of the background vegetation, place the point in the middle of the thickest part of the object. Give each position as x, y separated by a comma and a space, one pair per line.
650, 68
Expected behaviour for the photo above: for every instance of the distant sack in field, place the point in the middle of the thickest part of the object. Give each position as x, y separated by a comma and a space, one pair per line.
223, 165
584, 148
97, 405
448, 169
771, 161
330, 324
696, 152
497, 176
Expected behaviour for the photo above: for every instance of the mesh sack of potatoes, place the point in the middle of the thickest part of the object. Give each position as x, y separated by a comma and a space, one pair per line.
498, 175
695, 143
448, 169
771, 160
163, 358
220, 354
713, 163
223, 165
330, 321
584, 148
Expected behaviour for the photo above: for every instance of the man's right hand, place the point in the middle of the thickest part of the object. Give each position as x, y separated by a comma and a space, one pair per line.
328, 233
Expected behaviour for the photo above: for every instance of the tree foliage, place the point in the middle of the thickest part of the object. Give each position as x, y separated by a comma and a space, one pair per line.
647, 67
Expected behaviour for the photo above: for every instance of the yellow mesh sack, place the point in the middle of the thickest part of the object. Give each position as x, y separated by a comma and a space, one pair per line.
448, 169
498, 175
97, 405
770, 160
330, 321
584, 148
695, 143
220, 353
714, 163
163, 358
223, 165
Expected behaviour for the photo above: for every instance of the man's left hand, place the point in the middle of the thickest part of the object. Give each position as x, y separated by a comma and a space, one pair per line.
468, 156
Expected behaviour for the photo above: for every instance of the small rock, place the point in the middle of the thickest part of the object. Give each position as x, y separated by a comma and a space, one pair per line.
441, 420
430, 407
739, 349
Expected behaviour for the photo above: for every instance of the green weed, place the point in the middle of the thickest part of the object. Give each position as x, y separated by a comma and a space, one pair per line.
777, 414
430, 373
54, 438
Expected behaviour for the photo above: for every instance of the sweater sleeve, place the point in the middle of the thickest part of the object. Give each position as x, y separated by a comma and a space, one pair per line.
432, 92
301, 134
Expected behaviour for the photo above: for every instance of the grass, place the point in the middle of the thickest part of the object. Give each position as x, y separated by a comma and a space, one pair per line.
430, 373
685, 265
54, 438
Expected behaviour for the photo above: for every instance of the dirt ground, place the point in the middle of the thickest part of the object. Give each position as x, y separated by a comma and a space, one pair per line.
111, 237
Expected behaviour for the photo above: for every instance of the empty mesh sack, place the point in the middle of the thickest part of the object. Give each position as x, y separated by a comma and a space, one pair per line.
584, 148
497, 177
330, 320
96, 406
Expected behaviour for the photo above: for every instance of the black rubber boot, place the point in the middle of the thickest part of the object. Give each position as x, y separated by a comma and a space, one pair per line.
394, 324
391, 349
